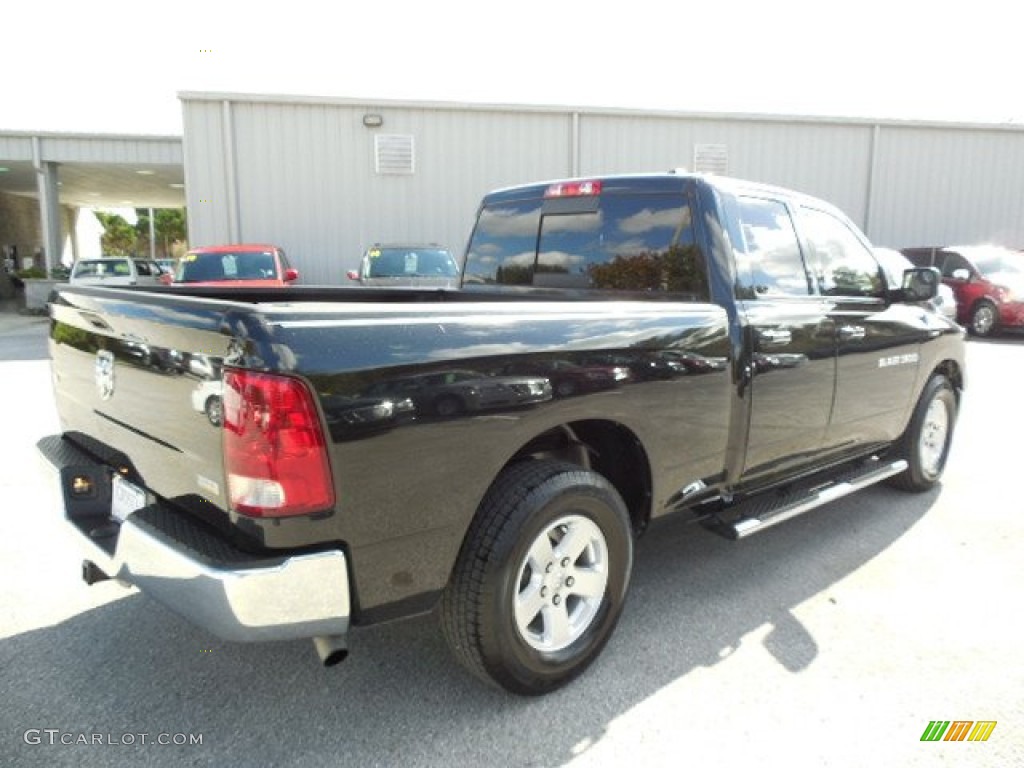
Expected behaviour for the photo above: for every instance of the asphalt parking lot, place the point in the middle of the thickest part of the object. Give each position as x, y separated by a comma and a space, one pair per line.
831, 640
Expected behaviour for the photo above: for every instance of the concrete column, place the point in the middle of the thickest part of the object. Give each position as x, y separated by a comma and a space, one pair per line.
75, 215
49, 205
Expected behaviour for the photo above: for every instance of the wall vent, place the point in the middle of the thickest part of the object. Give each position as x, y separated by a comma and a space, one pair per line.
395, 153
711, 158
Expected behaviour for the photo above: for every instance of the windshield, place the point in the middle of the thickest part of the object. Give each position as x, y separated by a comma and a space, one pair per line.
1000, 262
102, 268
209, 267
411, 262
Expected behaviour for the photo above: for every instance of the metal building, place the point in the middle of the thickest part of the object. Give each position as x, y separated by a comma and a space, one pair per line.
324, 178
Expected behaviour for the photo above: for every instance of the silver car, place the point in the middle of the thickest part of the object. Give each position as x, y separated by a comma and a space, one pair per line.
401, 265
116, 270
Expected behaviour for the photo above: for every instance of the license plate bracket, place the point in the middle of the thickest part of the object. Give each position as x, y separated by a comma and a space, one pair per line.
125, 498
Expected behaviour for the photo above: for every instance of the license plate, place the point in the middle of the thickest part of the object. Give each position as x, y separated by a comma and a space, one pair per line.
125, 498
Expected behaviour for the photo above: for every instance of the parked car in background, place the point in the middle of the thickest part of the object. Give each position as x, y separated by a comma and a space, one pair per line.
241, 266
569, 378
454, 392
988, 281
115, 270
895, 264
423, 265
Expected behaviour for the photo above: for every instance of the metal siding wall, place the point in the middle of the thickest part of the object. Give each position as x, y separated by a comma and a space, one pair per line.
16, 148
461, 156
828, 161
299, 177
947, 186
206, 192
306, 178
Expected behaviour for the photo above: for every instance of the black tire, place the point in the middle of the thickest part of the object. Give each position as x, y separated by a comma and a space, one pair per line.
214, 410
984, 319
522, 516
925, 444
565, 388
447, 406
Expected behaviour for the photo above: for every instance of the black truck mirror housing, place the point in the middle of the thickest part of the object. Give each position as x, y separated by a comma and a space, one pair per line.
921, 284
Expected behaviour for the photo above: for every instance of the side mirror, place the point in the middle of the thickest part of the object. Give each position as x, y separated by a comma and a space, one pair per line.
352, 274
291, 275
921, 284
166, 278
961, 274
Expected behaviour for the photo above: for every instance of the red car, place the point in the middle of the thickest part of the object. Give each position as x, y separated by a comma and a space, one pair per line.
240, 266
988, 281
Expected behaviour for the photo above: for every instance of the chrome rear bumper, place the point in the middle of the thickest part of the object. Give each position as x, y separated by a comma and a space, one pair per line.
235, 595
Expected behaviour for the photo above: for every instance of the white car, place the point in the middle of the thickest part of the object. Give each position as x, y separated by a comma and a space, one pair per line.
116, 270
207, 398
894, 263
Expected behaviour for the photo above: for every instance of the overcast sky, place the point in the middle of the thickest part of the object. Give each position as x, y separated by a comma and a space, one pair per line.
116, 67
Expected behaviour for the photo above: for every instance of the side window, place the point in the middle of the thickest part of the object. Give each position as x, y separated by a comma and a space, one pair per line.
770, 262
842, 264
919, 258
953, 262
143, 268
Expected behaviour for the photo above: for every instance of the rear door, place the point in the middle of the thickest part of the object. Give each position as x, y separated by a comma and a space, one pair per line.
792, 365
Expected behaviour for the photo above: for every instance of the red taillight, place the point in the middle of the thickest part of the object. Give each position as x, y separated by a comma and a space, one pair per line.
574, 189
275, 455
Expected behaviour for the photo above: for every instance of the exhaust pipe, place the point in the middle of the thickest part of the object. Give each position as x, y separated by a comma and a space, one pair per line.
332, 649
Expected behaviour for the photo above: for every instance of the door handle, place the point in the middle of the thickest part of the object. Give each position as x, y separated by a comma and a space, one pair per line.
848, 332
775, 337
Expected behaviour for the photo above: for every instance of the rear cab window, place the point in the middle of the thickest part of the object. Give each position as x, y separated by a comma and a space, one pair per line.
577, 236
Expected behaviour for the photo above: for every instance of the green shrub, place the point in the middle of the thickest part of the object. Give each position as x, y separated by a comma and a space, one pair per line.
31, 273
35, 273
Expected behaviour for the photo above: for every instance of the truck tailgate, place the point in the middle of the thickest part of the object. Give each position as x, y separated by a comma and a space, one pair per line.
138, 375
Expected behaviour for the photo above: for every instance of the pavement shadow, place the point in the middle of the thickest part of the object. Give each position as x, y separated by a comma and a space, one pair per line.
23, 337
400, 699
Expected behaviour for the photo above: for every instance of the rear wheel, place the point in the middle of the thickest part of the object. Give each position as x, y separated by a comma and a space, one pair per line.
214, 410
925, 444
984, 319
541, 578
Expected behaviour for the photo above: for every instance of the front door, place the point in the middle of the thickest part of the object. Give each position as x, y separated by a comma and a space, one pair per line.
876, 343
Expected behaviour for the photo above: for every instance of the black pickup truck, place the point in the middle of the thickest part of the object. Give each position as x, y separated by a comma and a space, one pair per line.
285, 463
